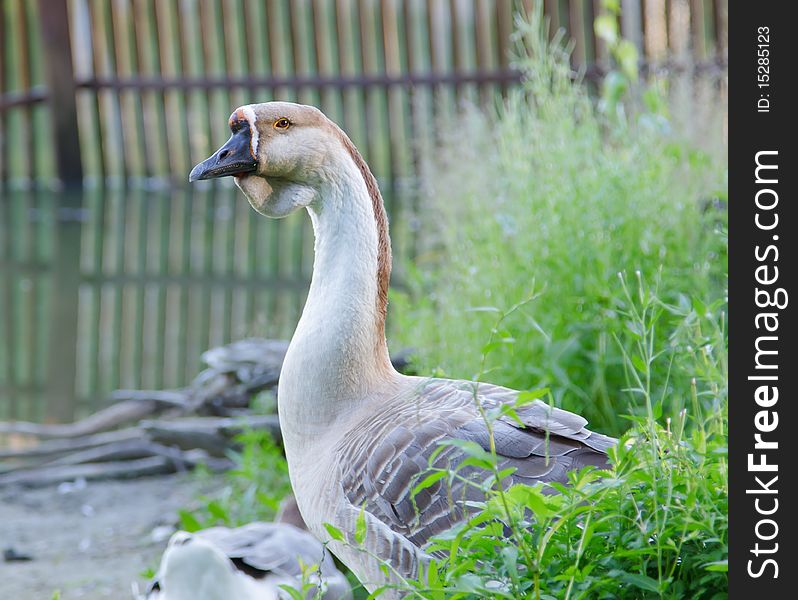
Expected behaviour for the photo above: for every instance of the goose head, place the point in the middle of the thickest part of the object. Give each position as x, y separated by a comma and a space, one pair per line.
280, 155
192, 568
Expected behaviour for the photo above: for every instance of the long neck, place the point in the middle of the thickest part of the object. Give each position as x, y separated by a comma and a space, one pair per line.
338, 354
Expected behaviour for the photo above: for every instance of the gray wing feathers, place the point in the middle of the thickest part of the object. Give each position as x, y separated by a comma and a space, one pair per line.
540, 415
389, 452
600, 442
556, 421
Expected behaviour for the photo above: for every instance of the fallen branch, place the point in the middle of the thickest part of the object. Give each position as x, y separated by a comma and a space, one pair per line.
127, 450
212, 434
103, 420
177, 398
63, 446
169, 461
128, 469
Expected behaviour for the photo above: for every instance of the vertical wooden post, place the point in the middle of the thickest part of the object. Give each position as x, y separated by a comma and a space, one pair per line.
63, 335
54, 23
3, 113
632, 23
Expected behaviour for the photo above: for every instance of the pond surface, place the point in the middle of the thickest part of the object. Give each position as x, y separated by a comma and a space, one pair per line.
125, 288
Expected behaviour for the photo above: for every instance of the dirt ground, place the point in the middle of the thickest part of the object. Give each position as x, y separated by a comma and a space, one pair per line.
90, 541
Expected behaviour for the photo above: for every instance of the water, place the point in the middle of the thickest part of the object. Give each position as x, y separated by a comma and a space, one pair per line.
114, 288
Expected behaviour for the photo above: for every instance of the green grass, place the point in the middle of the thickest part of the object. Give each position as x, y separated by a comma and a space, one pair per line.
252, 491
583, 250
550, 198
654, 526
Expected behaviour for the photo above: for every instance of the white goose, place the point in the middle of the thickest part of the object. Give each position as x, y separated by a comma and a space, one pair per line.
245, 563
356, 432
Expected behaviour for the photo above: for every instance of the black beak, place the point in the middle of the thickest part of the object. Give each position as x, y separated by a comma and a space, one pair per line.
234, 158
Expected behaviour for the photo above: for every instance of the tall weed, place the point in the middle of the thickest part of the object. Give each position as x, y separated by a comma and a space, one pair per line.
654, 525
547, 195
606, 236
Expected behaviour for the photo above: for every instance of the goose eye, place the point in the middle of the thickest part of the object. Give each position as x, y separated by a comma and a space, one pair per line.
282, 123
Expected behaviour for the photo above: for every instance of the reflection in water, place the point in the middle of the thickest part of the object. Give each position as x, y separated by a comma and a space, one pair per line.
125, 288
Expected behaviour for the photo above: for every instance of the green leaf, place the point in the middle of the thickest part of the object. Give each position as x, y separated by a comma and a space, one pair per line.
606, 28
626, 55
217, 511
429, 481
644, 582
469, 582
718, 565
613, 89
378, 592
334, 532
188, 522
360, 526
293, 593
471, 448
639, 363
656, 410
509, 555
657, 104
530, 396
479, 463
532, 498
491, 346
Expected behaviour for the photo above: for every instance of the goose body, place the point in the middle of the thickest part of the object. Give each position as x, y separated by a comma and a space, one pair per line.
356, 432
245, 563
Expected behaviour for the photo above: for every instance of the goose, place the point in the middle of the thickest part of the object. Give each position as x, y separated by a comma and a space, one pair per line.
245, 563
358, 434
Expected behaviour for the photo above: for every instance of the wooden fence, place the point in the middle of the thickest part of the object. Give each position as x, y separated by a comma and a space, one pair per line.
142, 88
125, 286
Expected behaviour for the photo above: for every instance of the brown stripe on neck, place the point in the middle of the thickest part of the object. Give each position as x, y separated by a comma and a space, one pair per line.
384, 241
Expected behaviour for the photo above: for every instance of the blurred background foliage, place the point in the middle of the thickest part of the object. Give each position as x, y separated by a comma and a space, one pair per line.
549, 199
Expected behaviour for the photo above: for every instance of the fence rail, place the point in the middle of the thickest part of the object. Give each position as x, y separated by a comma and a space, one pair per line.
105, 289
107, 74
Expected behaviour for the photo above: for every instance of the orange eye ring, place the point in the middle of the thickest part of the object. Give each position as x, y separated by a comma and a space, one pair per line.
282, 123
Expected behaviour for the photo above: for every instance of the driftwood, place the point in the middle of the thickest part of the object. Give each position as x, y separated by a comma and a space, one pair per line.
103, 420
127, 469
64, 446
148, 432
160, 464
127, 448
214, 435
175, 398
